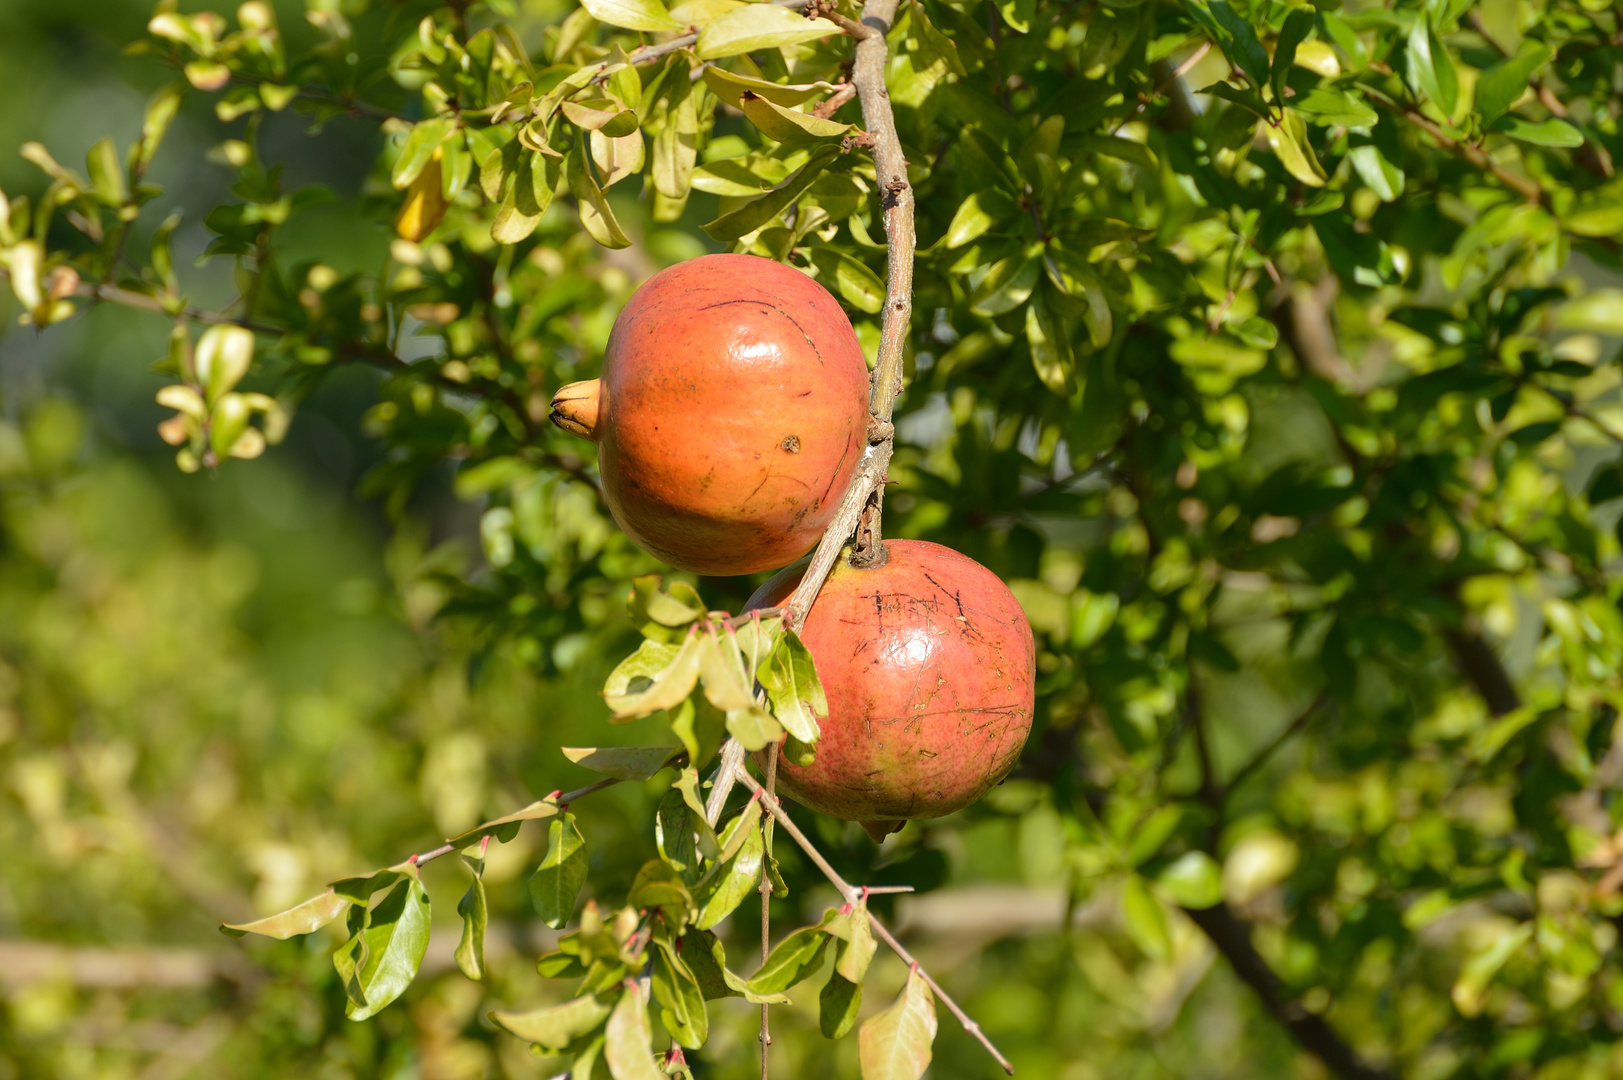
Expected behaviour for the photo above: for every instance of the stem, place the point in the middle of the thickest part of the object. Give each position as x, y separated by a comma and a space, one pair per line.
859, 510
854, 895
766, 896
563, 800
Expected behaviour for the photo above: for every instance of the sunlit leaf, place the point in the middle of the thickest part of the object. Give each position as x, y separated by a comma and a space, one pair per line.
896, 1044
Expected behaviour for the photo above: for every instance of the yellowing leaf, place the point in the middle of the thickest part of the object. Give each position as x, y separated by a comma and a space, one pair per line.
628, 1045
305, 918
555, 1027
1288, 138
648, 15
895, 1044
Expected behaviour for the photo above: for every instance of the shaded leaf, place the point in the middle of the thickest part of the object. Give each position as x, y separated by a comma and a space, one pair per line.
557, 1026
628, 1042
556, 884
757, 26
633, 763
837, 1006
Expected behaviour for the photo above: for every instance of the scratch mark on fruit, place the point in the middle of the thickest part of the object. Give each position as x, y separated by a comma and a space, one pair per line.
773, 307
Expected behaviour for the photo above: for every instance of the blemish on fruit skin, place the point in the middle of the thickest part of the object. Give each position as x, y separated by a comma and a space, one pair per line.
791, 444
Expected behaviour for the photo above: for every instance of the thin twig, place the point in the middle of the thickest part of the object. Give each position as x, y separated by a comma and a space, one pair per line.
564, 799
766, 896
1249, 768
853, 895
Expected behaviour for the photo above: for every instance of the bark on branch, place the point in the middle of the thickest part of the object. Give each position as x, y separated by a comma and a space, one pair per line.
1232, 937
859, 509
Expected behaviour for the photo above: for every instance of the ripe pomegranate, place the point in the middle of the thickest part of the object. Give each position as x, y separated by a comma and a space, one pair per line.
928, 664
731, 414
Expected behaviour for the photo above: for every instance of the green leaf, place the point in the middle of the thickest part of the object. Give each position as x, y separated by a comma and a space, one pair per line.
681, 999
475, 912
395, 939
529, 193
1378, 174
1552, 132
647, 15
1498, 87
736, 876
657, 676
628, 1042
757, 26
701, 727
1050, 348
788, 126
1289, 141
849, 277
754, 727
895, 1044
792, 686
1080, 292
596, 217
601, 114
106, 175
740, 178
977, 214
794, 958
661, 613
676, 146
160, 112
727, 684
857, 944
761, 211
729, 86
635, 763
659, 885
1596, 215
305, 918
556, 884
1298, 25
506, 827
838, 1006
415, 155
1243, 47
1008, 284
1471, 988
1334, 108
1018, 13
687, 784
674, 835
1146, 919
1431, 69
1193, 880
557, 1026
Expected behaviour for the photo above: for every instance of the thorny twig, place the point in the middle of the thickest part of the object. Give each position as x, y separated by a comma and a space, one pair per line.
854, 895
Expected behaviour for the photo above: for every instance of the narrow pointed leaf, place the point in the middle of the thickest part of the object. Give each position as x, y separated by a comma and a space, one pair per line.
633, 763
757, 26
647, 15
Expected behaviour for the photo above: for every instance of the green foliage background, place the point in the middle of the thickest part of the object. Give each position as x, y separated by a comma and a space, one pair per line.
1323, 569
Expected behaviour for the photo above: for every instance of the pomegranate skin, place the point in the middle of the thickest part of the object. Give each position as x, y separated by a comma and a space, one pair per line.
733, 412
929, 667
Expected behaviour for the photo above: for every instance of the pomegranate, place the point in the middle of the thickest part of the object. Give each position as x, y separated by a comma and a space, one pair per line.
731, 414
928, 664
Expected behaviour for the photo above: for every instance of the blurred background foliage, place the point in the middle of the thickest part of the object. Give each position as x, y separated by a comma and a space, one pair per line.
1325, 758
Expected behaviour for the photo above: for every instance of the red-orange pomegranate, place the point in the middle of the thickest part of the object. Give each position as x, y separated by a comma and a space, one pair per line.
928, 664
731, 414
